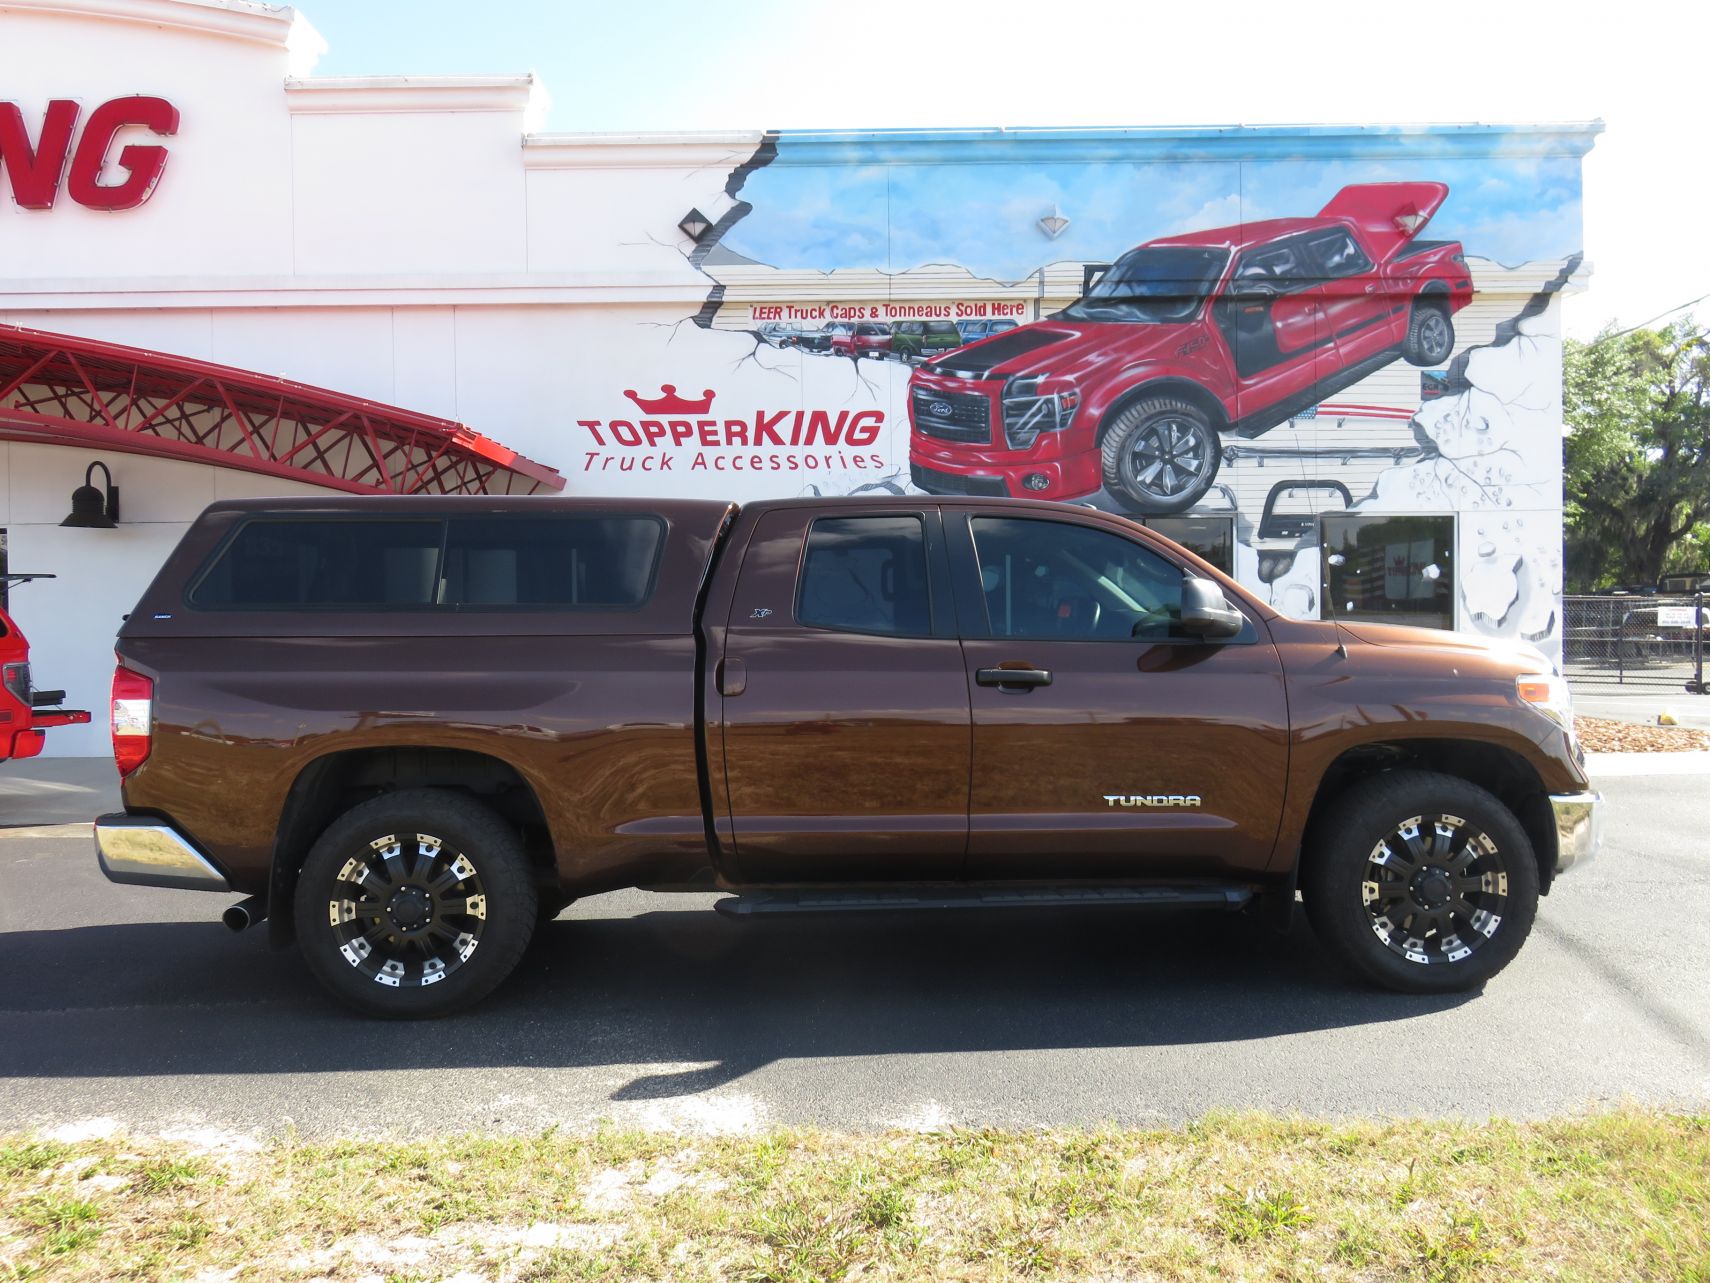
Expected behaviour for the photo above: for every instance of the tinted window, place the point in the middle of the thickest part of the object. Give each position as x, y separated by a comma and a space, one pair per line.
1052, 579
1399, 570
1337, 254
872, 330
1153, 285
1210, 537
319, 564
943, 327
370, 564
1278, 266
550, 562
866, 575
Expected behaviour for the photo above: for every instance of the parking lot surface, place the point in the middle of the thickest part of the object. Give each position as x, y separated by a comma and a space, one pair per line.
135, 1008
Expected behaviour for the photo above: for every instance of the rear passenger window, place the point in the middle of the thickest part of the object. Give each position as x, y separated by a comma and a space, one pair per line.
375, 565
866, 575
546, 562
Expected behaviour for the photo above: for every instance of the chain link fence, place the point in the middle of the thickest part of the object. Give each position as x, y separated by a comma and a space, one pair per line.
1635, 642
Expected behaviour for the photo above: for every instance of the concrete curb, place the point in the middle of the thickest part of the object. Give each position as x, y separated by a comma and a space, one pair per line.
1601, 765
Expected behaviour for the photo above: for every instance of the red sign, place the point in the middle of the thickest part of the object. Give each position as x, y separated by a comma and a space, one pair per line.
674, 429
37, 167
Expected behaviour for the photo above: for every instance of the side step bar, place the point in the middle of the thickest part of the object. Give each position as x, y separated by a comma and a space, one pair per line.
864, 899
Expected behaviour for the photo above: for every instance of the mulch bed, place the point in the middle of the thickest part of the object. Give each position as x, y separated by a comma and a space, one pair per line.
1605, 735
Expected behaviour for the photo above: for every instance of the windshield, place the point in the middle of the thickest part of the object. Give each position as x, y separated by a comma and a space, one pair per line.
1156, 286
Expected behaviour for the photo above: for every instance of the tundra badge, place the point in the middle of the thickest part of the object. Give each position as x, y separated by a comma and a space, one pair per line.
1151, 799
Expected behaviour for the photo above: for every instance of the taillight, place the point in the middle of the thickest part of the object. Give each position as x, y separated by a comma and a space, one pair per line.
16, 678
133, 719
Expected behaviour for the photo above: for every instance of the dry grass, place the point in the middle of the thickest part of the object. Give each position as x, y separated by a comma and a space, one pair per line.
1621, 1196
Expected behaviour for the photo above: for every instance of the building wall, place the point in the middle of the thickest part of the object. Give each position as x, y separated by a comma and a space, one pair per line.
413, 241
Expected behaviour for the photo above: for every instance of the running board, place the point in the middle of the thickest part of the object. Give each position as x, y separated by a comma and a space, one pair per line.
860, 900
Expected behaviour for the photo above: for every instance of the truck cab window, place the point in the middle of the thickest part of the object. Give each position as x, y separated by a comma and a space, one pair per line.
1337, 255
866, 575
1050, 579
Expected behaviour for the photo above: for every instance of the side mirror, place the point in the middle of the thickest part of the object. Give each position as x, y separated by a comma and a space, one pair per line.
1207, 612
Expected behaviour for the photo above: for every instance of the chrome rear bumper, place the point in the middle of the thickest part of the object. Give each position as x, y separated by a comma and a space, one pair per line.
139, 850
1579, 827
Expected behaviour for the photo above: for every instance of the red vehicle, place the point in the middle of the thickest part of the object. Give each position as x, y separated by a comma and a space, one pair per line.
25, 713
1184, 339
866, 338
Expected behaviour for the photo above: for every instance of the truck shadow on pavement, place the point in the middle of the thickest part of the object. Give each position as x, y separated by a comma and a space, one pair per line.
684, 988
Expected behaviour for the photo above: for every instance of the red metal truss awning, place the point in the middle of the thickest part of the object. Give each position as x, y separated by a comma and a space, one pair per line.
63, 390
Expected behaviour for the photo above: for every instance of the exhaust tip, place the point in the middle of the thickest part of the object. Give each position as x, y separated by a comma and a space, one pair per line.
245, 913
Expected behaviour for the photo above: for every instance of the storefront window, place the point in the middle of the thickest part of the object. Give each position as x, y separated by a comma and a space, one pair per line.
1394, 570
1210, 537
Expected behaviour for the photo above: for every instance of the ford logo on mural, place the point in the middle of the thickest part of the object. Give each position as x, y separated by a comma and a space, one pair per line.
940, 408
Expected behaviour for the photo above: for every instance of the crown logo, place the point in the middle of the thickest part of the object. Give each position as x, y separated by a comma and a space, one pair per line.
669, 402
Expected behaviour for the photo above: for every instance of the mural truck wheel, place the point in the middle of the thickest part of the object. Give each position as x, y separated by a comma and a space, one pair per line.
1430, 334
1160, 456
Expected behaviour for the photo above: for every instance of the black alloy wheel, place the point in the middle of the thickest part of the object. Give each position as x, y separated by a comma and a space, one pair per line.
409, 911
1160, 456
1430, 335
1435, 889
416, 903
1421, 882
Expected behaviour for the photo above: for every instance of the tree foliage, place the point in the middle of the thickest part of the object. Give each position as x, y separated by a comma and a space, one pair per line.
1637, 482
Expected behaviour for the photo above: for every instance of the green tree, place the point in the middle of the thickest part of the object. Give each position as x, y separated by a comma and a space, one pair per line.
1637, 486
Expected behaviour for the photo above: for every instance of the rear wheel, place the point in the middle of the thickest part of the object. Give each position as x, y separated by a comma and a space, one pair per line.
1160, 456
417, 903
1420, 882
1430, 334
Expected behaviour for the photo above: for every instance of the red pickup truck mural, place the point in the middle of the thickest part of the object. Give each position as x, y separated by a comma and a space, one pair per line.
1184, 339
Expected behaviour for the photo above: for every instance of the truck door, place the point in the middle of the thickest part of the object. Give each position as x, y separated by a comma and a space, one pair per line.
843, 699
1272, 316
1355, 300
1106, 743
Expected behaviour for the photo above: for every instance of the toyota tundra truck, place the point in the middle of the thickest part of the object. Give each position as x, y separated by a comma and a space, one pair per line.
1183, 340
407, 729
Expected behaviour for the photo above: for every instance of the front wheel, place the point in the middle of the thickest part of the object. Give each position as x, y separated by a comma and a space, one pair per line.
1420, 882
416, 903
1430, 335
1160, 456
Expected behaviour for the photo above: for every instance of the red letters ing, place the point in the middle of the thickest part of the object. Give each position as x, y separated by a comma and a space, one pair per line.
36, 167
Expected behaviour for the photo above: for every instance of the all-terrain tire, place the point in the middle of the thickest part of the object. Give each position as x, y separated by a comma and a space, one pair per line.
1160, 456
1357, 855
370, 857
1430, 333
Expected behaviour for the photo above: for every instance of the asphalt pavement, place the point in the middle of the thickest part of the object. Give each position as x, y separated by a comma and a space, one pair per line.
135, 1008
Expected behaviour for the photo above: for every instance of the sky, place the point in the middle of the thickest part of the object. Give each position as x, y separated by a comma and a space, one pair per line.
796, 64
1513, 209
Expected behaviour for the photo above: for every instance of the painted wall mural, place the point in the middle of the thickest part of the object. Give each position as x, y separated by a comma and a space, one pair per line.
1251, 340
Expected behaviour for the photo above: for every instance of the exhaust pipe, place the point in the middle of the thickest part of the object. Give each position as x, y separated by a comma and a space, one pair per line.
245, 913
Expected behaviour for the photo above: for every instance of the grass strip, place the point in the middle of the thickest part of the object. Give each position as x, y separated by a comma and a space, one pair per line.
1621, 1195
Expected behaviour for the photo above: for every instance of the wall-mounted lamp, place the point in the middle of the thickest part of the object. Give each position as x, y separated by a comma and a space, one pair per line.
695, 225
1054, 224
90, 508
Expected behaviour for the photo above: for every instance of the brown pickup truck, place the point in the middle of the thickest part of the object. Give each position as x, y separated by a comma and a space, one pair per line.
407, 729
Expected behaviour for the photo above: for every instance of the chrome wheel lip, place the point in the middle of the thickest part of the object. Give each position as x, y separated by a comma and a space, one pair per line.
1435, 889
1167, 457
408, 910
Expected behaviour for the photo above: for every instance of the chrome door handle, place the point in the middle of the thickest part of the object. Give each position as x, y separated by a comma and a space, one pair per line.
1020, 678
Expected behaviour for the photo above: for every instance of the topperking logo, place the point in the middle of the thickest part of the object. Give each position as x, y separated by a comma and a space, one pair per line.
673, 433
